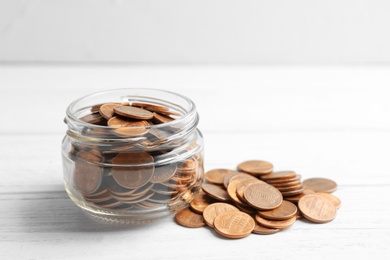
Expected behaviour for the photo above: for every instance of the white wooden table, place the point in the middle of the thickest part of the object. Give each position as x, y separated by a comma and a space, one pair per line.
330, 122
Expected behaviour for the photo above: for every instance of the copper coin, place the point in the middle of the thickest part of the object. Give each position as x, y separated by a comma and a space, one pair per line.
166, 113
297, 197
133, 176
216, 192
133, 112
150, 106
161, 119
291, 188
234, 224
163, 173
262, 230
126, 128
188, 218
217, 176
275, 223
232, 191
200, 202
285, 184
88, 173
95, 119
242, 185
256, 167
279, 175
263, 196
277, 181
316, 208
285, 211
292, 193
227, 178
213, 210
107, 110
108, 204
320, 185
332, 198
242, 176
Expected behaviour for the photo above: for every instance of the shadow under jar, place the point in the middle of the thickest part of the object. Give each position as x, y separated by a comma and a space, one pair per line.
132, 172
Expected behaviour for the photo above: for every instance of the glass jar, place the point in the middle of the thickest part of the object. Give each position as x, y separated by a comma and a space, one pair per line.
138, 177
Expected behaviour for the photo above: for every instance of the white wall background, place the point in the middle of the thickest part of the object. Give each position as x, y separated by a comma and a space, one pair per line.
296, 31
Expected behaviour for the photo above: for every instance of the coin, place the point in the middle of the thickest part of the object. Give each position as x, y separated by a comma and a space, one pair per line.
213, 210
291, 188
150, 106
107, 110
275, 223
279, 175
242, 185
263, 196
95, 119
188, 218
227, 178
297, 197
286, 180
292, 193
255, 167
232, 191
261, 230
320, 185
88, 173
332, 198
243, 176
161, 118
132, 176
285, 184
285, 211
163, 173
126, 128
234, 224
200, 202
217, 176
133, 112
216, 192
317, 208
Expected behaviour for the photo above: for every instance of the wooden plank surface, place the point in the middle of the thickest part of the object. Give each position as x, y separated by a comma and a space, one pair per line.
331, 122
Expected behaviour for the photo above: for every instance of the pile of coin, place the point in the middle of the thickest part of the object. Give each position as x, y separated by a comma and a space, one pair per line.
133, 174
255, 199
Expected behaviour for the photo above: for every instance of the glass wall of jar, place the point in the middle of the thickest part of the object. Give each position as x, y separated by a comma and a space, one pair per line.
123, 169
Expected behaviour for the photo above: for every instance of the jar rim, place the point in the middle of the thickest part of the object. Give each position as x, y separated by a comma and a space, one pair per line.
70, 111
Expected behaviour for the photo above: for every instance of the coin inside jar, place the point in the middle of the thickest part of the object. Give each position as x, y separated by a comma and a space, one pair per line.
133, 112
88, 173
132, 176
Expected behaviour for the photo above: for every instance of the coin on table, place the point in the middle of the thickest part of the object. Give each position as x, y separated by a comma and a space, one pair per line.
242, 185
188, 218
241, 176
216, 192
234, 224
317, 208
297, 197
256, 167
291, 188
88, 173
285, 184
261, 230
132, 176
227, 178
200, 202
281, 181
213, 210
217, 176
275, 223
263, 196
107, 110
320, 185
232, 191
133, 112
285, 211
292, 193
279, 175
336, 201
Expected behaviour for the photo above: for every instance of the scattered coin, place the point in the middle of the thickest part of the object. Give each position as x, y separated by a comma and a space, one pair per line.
261, 230
332, 198
255, 167
320, 185
200, 203
213, 210
317, 208
279, 175
234, 224
282, 224
217, 176
285, 211
216, 192
263, 196
188, 218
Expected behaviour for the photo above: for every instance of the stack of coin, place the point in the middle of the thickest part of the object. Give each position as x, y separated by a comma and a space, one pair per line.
237, 203
126, 170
